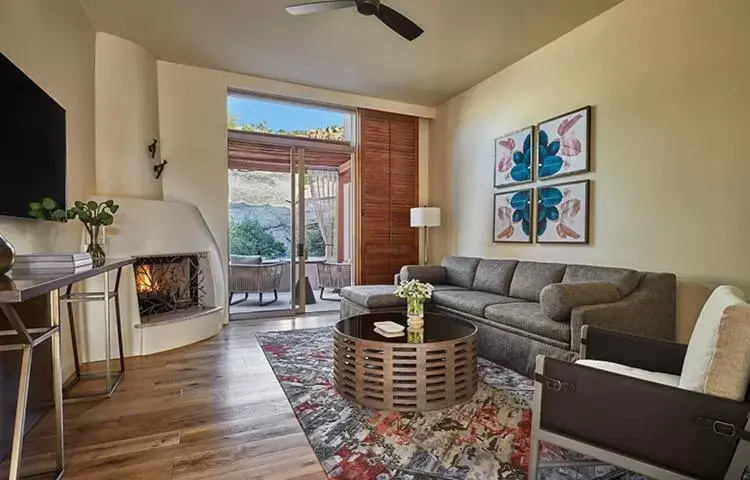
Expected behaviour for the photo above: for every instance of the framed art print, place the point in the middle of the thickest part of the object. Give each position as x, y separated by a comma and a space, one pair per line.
563, 144
562, 213
513, 157
512, 217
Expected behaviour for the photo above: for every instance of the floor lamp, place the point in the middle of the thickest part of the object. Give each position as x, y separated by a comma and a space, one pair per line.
425, 217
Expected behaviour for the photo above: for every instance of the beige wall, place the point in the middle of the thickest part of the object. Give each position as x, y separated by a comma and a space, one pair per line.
192, 118
53, 43
668, 81
127, 118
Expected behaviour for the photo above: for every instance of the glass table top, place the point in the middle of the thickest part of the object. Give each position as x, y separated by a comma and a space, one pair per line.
437, 327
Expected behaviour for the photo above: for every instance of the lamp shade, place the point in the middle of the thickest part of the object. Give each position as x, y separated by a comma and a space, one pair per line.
425, 217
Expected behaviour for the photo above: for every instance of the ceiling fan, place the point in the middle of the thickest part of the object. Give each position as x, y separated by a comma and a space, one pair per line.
394, 20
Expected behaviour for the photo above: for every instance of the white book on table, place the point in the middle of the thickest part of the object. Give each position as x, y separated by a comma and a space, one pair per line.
53, 265
57, 269
388, 334
70, 258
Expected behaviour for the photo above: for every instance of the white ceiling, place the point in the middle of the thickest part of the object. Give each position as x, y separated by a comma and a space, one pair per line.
465, 41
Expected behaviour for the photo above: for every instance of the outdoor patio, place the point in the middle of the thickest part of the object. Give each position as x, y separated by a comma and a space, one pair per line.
251, 306
261, 222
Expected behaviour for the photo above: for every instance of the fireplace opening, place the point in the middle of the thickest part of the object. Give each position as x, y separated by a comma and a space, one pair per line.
169, 283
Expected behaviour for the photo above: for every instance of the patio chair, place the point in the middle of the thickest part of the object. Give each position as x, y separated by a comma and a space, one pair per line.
257, 278
661, 409
334, 276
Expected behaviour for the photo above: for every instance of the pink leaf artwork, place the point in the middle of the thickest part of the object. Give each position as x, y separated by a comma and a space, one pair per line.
568, 209
506, 233
505, 162
505, 216
571, 146
567, 124
564, 232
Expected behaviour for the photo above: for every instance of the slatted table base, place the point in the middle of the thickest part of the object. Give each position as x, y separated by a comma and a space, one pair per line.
402, 377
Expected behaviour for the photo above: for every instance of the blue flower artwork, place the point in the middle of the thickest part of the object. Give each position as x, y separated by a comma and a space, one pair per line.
513, 156
512, 221
562, 213
563, 144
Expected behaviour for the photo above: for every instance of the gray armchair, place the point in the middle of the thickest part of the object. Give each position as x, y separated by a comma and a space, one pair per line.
256, 277
334, 276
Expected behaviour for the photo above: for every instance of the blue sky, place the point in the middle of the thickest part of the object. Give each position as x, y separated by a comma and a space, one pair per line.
284, 116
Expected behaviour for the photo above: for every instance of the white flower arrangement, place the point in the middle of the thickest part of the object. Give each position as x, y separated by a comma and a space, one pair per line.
414, 290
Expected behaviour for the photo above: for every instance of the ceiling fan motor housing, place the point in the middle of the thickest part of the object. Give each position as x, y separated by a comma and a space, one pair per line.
368, 7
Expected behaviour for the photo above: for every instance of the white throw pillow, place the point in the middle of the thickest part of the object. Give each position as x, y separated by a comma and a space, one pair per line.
718, 355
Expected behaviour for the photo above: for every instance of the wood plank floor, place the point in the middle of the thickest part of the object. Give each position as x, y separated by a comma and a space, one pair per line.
213, 410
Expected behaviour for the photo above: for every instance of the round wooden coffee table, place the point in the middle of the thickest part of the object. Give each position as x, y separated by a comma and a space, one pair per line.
391, 374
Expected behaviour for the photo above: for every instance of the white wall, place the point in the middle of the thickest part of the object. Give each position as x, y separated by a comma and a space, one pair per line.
127, 118
668, 81
53, 43
192, 117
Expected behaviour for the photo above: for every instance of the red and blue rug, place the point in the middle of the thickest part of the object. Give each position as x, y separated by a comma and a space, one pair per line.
486, 438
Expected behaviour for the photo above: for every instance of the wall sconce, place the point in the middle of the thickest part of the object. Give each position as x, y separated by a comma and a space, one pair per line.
159, 167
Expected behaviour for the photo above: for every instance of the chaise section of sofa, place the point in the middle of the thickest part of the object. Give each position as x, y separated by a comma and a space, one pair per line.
523, 309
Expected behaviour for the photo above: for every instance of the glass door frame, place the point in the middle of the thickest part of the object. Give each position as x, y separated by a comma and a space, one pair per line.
298, 258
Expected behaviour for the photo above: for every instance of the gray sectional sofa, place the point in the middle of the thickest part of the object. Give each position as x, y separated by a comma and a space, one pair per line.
523, 309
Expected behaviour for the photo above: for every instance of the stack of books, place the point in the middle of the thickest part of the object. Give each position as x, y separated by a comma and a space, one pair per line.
51, 263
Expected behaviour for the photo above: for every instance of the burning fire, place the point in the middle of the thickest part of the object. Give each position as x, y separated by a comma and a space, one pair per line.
144, 279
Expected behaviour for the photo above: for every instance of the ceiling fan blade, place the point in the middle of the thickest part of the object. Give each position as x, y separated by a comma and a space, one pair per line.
307, 8
398, 23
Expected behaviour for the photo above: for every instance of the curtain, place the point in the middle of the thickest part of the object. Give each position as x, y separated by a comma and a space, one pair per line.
324, 187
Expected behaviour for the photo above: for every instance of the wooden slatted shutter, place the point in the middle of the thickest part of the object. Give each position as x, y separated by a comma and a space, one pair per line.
388, 176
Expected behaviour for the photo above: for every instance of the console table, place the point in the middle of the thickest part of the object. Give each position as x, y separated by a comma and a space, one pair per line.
15, 290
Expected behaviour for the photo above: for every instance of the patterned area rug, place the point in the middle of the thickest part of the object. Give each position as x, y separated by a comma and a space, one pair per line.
487, 438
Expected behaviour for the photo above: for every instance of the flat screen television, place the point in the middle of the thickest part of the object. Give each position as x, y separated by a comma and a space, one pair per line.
32, 143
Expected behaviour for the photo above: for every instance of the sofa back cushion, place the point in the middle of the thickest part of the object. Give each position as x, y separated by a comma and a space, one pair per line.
531, 277
717, 361
625, 279
559, 299
494, 276
460, 271
433, 274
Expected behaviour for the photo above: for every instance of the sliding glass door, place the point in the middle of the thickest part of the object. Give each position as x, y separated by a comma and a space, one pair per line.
290, 206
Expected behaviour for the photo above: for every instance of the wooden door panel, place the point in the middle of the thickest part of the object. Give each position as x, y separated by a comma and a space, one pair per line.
404, 191
374, 162
388, 190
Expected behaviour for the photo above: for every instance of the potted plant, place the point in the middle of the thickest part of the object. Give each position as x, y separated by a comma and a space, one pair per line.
94, 216
415, 293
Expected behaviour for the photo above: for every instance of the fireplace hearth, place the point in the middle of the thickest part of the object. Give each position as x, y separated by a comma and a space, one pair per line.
166, 284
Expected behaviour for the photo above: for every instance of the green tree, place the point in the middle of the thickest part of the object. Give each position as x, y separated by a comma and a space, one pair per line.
331, 132
248, 237
314, 243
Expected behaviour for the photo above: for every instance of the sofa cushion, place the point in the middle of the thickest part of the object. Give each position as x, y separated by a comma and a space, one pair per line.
433, 274
625, 279
528, 317
444, 287
531, 277
372, 296
559, 299
656, 377
469, 301
460, 271
246, 259
717, 361
494, 276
